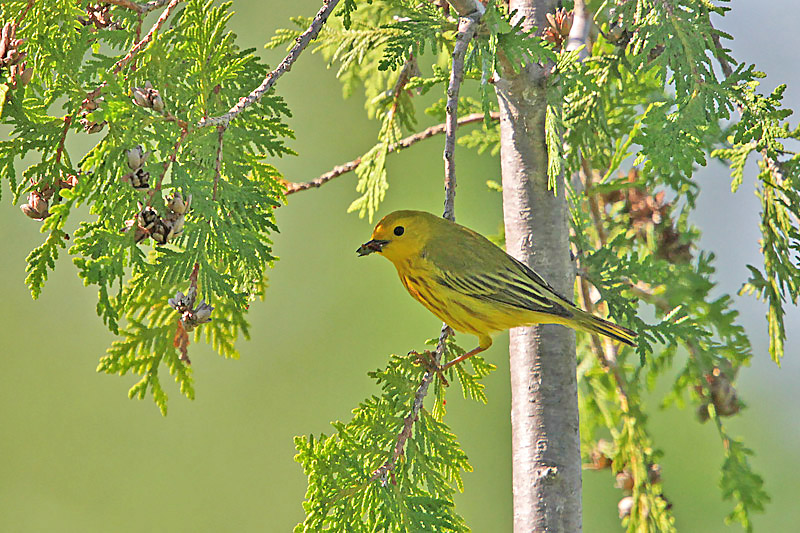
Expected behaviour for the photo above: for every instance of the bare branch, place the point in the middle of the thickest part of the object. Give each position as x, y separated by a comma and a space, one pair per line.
409, 70
147, 38
726, 67
335, 172
605, 354
720, 52
344, 168
169, 117
466, 30
285, 66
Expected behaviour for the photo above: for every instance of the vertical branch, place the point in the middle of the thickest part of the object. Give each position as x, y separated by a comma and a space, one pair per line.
466, 26
579, 33
544, 390
466, 30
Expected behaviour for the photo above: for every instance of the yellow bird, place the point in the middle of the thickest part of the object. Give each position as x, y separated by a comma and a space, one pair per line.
471, 284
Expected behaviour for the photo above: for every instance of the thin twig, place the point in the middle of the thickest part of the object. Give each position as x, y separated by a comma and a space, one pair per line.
60, 149
406, 73
167, 163
285, 66
22, 15
594, 208
152, 6
169, 117
466, 30
147, 38
218, 166
409, 68
344, 168
605, 354
139, 21
723, 62
335, 172
419, 397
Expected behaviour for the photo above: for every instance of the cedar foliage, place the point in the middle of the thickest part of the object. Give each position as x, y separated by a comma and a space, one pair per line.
199, 71
657, 87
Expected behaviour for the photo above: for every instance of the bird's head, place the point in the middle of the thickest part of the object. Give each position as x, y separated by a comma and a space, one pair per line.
399, 235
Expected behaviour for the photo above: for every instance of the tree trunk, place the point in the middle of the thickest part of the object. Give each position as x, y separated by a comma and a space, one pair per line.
544, 390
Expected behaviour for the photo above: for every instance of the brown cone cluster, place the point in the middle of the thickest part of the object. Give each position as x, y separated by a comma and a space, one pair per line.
91, 103
149, 224
601, 458
12, 58
723, 395
38, 205
99, 16
10, 53
148, 97
184, 303
559, 25
651, 212
139, 178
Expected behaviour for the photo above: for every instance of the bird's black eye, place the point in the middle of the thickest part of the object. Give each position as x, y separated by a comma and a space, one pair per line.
398, 230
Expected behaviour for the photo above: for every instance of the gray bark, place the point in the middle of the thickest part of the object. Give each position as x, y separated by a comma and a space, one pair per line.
544, 403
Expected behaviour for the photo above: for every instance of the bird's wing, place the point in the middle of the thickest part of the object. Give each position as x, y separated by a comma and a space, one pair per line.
518, 286
479, 269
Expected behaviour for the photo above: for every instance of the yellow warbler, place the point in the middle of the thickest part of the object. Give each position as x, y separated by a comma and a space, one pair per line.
471, 284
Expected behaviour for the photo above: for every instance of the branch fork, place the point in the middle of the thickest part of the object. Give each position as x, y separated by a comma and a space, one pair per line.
285, 66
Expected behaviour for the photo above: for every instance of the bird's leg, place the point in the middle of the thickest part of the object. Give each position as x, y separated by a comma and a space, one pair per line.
426, 361
464, 357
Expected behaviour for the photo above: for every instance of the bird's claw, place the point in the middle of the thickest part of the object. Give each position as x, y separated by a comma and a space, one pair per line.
426, 361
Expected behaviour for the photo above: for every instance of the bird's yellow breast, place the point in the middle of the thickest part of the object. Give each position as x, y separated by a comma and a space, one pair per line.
461, 312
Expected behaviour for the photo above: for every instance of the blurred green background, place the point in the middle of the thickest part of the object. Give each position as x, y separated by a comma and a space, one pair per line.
77, 455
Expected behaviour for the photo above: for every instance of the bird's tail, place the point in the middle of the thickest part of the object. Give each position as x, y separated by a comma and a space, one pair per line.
593, 324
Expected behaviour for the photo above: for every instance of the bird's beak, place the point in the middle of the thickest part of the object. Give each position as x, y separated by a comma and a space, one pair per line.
375, 245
